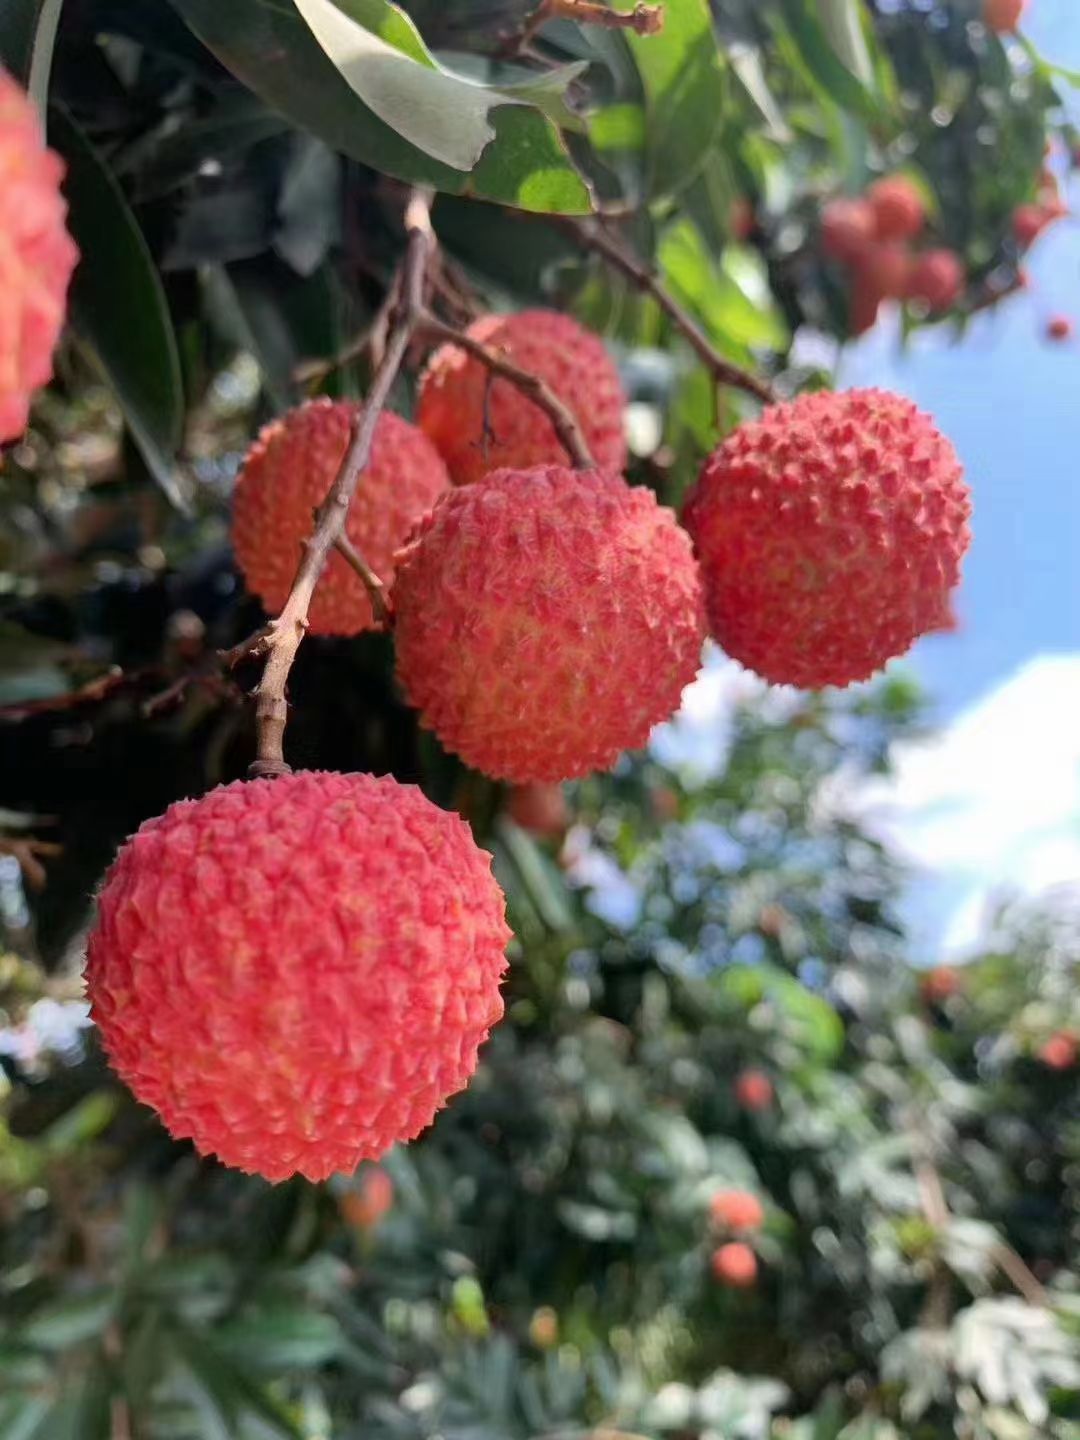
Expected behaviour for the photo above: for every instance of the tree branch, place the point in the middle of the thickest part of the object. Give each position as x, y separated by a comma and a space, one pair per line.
280, 642
538, 391
372, 584
591, 235
643, 19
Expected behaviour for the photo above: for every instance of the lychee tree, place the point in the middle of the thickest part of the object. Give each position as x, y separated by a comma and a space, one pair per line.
398, 336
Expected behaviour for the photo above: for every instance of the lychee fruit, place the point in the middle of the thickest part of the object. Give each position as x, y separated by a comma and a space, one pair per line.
546, 620
1059, 327
830, 533
373, 1197
936, 280
735, 1265
886, 269
736, 1210
37, 256
753, 1091
865, 304
1060, 1051
480, 423
898, 208
540, 809
940, 984
1002, 16
847, 229
286, 476
298, 973
1028, 223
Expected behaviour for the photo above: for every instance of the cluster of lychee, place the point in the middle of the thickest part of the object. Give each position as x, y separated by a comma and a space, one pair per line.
873, 236
735, 1215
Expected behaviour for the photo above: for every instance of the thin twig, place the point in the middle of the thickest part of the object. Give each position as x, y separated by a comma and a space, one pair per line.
643, 19
372, 584
29, 854
592, 236
1016, 1269
284, 634
538, 391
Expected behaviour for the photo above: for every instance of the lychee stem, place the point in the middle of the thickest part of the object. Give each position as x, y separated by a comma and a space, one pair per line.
284, 634
644, 19
570, 433
372, 584
591, 235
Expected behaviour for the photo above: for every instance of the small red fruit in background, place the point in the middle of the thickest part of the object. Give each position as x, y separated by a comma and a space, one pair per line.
372, 1198
1002, 16
735, 1265
886, 268
1028, 223
1059, 327
1060, 1051
284, 478
741, 219
753, 1090
522, 604
865, 305
847, 229
37, 256
830, 533
736, 1210
539, 809
937, 279
479, 424
298, 973
941, 984
898, 208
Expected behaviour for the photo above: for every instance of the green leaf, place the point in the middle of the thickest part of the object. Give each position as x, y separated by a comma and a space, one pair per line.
618, 127
804, 1017
118, 306
281, 1339
732, 300
223, 1392
21, 1416
69, 1322
842, 22
268, 45
82, 1123
27, 40
683, 80
832, 77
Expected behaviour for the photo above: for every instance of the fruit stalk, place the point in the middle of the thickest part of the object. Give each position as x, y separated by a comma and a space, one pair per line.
591, 235
281, 640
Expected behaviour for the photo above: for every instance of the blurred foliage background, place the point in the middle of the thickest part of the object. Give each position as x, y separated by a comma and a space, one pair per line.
540, 1263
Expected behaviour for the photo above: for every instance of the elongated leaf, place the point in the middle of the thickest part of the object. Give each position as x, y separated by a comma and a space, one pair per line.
832, 77
842, 22
27, 38
118, 306
682, 77
69, 1322
268, 45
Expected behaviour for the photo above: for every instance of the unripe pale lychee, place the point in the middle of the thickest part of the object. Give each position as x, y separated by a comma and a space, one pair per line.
539, 809
297, 973
936, 279
847, 228
1059, 327
479, 423
546, 620
830, 533
753, 1090
372, 1198
1002, 16
735, 1265
285, 477
37, 256
886, 268
736, 1210
899, 212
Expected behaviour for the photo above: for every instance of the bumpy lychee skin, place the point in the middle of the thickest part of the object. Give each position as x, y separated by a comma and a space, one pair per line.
286, 475
37, 256
297, 973
479, 424
830, 533
899, 212
937, 280
546, 620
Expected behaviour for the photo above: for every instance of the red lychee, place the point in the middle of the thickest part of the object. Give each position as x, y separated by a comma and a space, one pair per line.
937, 280
37, 256
847, 229
284, 478
899, 212
886, 269
830, 533
865, 306
1059, 327
1060, 1051
736, 1210
546, 620
297, 973
539, 809
753, 1090
1002, 16
941, 983
1028, 223
479, 424
365, 1206
735, 1265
